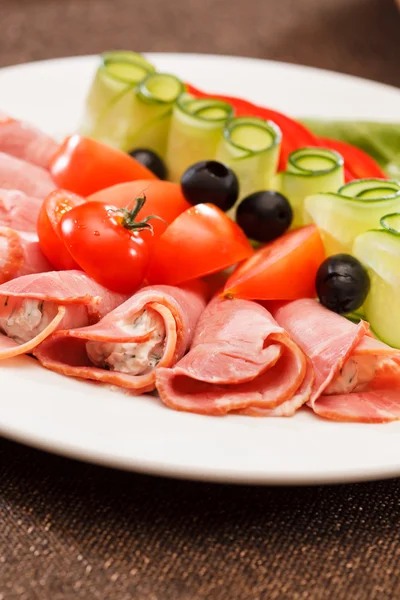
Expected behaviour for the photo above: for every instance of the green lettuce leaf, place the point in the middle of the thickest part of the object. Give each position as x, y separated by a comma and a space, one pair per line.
379, 140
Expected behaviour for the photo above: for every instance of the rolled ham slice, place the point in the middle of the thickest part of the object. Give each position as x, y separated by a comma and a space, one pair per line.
240, 360
33, 307
152, 329
22, 140
19, 211
20, 254
17, 174
357, 378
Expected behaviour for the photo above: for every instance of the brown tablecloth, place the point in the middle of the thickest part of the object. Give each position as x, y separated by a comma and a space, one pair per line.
70, 530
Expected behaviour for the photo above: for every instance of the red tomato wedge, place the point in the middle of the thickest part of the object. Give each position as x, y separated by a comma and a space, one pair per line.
295, 135
285, 269
359, 164
163, 198
54, 207
85, 166
202, 240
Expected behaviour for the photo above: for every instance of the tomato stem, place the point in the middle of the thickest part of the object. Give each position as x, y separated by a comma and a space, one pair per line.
129, 217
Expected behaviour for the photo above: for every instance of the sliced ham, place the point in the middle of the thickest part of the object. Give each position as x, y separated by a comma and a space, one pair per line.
240, 360
357, 378
19, 211
32, 307
20, 254
17, 174
152, 329
22, 140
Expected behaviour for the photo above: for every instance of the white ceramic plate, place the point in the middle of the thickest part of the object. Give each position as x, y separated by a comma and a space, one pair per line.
92, 423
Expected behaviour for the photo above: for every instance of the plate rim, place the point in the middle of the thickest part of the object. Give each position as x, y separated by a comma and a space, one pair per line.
190, 472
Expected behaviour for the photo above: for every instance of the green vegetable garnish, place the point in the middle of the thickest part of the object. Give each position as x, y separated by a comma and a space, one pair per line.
379, 251
356, 208
379, 140
109, 104
309, 170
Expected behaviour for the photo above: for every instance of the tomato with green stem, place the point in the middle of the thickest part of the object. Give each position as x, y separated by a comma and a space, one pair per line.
109, 244
163, 198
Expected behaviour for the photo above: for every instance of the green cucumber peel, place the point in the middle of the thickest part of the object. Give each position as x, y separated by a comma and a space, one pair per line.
196, 129
356, 208
151, 112
250, 147
379, 140
310, 170
108, 105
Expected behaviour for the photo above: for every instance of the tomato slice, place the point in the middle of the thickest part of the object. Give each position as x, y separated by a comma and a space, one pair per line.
54, 207
358, 164
202, 240
285, 269
85, 166
295, 135
163, 198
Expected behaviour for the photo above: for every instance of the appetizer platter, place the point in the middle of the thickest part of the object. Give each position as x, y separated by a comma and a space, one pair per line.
199, 276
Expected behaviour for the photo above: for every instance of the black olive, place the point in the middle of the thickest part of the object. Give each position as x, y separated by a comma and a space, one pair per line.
151, 160
342, 283
264, 216
210, 181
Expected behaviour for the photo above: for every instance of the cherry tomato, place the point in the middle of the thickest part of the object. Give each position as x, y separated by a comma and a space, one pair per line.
53, 209
108, 244
358, 164
284, 269
163, 198
202, 240
85, 166
295, 135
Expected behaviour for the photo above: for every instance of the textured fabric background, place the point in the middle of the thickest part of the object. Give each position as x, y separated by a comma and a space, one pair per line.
75, 531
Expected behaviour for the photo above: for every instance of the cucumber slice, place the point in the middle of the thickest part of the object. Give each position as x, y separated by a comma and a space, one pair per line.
195, 132
108, 105
309, 171
250, 146
379, 251
356, 208
151, 112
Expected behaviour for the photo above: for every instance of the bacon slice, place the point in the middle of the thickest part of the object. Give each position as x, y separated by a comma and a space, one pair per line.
34, 306
17, 174
357, 378
20, 254
240, 360
175, 311
19, 211
22, 140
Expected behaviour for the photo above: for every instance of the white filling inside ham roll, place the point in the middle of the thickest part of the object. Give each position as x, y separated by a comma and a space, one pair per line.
23, 320
136, 358
355, 374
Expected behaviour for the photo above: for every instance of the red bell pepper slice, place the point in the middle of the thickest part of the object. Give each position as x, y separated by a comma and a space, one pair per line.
294, 134
358, 164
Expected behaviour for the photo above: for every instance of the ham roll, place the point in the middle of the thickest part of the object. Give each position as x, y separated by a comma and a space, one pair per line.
19, 211
240, 360
25, 141
357, 378
33, 307
152, 329
17, 174
20, 254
